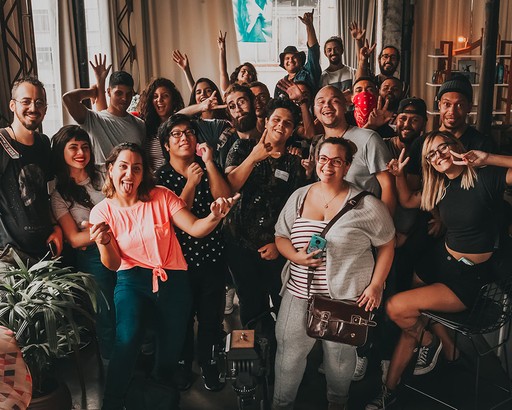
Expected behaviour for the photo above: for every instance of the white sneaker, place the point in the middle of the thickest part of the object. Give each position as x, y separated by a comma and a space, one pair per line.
360, 371
230, 295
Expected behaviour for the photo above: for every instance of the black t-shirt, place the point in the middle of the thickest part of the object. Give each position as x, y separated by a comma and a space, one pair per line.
24, 201
197, 251
471, 139
473, 216
251, 221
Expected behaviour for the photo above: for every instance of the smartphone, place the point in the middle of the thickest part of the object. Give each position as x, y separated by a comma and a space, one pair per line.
466, 261
317, 242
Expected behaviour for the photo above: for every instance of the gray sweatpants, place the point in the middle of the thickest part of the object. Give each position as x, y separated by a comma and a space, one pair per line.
293, 347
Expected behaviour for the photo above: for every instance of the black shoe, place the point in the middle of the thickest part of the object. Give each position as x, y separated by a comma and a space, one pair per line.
384, 400
183, 375
211, 375
427, 357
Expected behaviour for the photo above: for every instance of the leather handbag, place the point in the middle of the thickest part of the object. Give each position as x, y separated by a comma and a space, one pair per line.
336, 320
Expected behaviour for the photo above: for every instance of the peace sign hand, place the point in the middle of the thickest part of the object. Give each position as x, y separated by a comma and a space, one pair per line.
366, 51
221, 40
471, 158
396, 166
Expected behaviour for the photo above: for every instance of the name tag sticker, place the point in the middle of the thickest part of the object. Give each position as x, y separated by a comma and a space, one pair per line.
282, 175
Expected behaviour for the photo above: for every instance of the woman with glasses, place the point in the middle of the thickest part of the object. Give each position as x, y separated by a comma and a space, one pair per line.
191, 173
345, 270
134, 230
468, 189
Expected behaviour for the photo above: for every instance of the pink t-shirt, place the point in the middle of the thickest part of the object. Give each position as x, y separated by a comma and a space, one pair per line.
145, 232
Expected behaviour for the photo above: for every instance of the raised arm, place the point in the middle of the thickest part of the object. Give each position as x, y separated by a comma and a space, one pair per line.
101, 72
237, 176
406, 197
358, 34
297, 96
363, 65
182, 61
218, 185
73, 102
307, 19
481, 159
223, 65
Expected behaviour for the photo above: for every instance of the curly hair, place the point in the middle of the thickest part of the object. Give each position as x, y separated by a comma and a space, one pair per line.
146, 108
148, 180
233, 78
66, 185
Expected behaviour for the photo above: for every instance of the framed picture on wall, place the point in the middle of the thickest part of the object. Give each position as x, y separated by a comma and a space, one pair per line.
468, 66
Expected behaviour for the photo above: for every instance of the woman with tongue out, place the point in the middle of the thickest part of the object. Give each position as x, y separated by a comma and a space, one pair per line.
133, 228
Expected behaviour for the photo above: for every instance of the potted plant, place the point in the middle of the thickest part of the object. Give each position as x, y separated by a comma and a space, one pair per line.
41, 304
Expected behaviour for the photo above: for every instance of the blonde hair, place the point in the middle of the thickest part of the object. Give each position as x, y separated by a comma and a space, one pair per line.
434, 182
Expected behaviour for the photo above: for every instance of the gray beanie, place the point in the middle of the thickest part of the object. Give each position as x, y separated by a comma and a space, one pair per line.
457, 83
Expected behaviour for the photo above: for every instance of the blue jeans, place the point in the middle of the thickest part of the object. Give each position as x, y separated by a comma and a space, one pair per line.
89, 261
136, 308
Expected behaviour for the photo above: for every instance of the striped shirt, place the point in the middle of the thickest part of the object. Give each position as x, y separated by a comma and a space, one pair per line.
301, 233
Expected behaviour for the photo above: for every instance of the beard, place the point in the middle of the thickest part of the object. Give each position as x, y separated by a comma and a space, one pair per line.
388, 70
407, 140
336, 59
246, 122
31, 125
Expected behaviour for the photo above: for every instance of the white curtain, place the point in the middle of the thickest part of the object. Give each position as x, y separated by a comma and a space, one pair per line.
191, 26
364, 13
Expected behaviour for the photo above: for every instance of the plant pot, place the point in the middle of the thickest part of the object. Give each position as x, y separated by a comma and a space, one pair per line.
58, 399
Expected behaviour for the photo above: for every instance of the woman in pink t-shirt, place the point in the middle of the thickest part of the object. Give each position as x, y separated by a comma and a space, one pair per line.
133, 228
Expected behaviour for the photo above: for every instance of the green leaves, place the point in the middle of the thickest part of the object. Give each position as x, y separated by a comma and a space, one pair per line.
45, 305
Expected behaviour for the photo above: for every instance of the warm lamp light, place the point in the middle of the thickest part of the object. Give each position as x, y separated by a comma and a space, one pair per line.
462, 39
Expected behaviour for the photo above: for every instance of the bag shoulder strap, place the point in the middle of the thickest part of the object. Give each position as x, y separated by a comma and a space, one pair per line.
4, 141
351, 204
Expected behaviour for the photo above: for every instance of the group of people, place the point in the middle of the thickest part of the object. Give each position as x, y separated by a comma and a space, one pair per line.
167, 205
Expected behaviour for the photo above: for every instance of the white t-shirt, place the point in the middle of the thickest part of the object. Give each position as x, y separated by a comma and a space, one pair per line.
341, 78
107, 131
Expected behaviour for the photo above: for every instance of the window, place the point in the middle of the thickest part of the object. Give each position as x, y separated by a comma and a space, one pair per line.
48, 50
287, 29
41, 21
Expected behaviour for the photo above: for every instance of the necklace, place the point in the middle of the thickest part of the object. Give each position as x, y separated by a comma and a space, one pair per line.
326, 203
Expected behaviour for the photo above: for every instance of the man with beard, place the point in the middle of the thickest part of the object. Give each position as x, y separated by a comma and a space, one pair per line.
26, 176
390, 90
455, 99
261, 99
112, 126
337, 74
295, 64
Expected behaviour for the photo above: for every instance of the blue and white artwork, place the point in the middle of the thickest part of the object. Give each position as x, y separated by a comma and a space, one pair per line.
253, 20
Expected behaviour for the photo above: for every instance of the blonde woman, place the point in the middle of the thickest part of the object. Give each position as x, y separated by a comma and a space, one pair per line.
467, 188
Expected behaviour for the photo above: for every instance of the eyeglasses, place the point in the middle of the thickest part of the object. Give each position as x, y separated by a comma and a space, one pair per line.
27, 102
336, 162
189, 133
390, 56
441, 149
